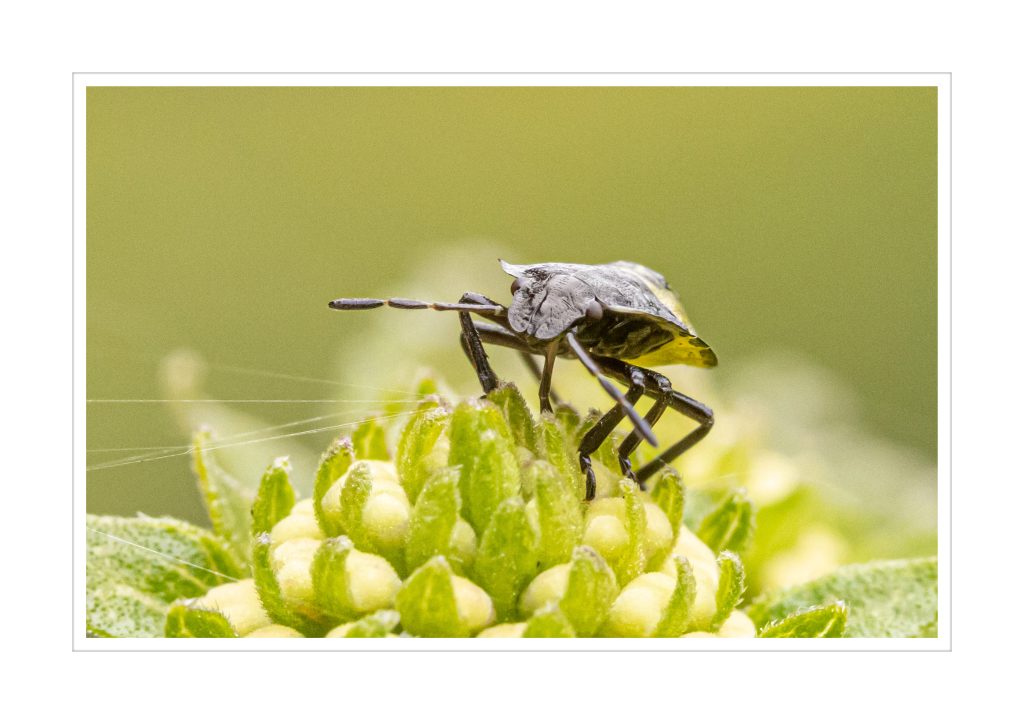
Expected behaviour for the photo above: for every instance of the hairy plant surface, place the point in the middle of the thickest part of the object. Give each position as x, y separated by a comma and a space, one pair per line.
469, 521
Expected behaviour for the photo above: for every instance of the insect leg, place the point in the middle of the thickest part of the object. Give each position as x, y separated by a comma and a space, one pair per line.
535, 370
696, 411
660, 388
604, 426
474, 347
638, 422
545, 377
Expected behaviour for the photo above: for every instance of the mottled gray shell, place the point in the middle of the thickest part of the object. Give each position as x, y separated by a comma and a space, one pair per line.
553, 297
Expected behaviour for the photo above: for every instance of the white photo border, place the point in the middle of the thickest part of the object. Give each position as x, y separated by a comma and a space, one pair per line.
942, 81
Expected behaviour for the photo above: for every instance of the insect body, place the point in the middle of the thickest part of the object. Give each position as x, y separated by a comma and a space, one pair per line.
618, 319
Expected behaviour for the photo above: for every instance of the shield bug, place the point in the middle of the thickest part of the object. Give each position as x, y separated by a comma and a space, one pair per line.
617, 319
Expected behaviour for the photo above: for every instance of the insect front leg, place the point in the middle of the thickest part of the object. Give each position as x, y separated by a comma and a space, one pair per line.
473, 346
604, 426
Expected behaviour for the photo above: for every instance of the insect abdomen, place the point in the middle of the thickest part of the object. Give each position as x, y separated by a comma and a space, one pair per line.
622, 337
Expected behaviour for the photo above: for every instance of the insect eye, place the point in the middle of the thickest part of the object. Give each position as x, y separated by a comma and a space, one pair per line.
516, 285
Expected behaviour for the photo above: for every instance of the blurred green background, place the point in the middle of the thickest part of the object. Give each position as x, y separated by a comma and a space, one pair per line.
221, 220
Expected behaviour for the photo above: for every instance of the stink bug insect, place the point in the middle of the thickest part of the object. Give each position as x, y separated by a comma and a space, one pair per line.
617, 319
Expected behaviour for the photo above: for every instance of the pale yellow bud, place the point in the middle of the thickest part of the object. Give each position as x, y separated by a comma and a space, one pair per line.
386, 518
291, 562
607, 535
302, 507
464, 542
640, 606
297, 524
372, 582
548, 586
274, 631
705, 574
503, 631
239, 603
475, 608
738, 626
383, 475
658, 536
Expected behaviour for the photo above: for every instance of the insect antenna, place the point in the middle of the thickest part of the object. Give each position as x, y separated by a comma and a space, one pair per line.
400, 303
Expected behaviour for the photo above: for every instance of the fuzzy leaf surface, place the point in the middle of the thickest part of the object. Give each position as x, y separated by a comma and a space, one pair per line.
137, 567
334, 463
227, 501
197, 623
827, 621
274, 499
885, 599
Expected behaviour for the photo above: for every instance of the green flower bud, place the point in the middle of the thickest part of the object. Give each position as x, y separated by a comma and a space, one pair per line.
348, 582
376, 625
299, 523
639, 607
372, 582
607, 530
382, 476
738, 626
435, 602
239, 603
583, 589
274, 631
548, 587
290, 562
705, 573
503, 631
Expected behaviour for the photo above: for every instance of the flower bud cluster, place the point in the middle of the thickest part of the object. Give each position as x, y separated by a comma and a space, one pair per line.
477, 527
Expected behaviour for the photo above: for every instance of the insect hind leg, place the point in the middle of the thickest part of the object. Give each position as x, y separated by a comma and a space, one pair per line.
659, 387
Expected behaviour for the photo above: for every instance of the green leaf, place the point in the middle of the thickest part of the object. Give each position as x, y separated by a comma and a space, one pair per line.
885, 599
482, 445
270, 591
559, 513
333, 464
426, 602
632, 562
354, 495
330, 580
730, 526
376, 625
227, 502
553, 447
433, 519
731, 584
507, 556
417, 456
670, 495
274, 499
590, 591
549, 623
135, 568
679, 610
197, 623
511, 402
817, 622
369, 440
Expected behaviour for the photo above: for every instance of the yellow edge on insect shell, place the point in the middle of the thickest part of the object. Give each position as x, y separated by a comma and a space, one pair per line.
688, 349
